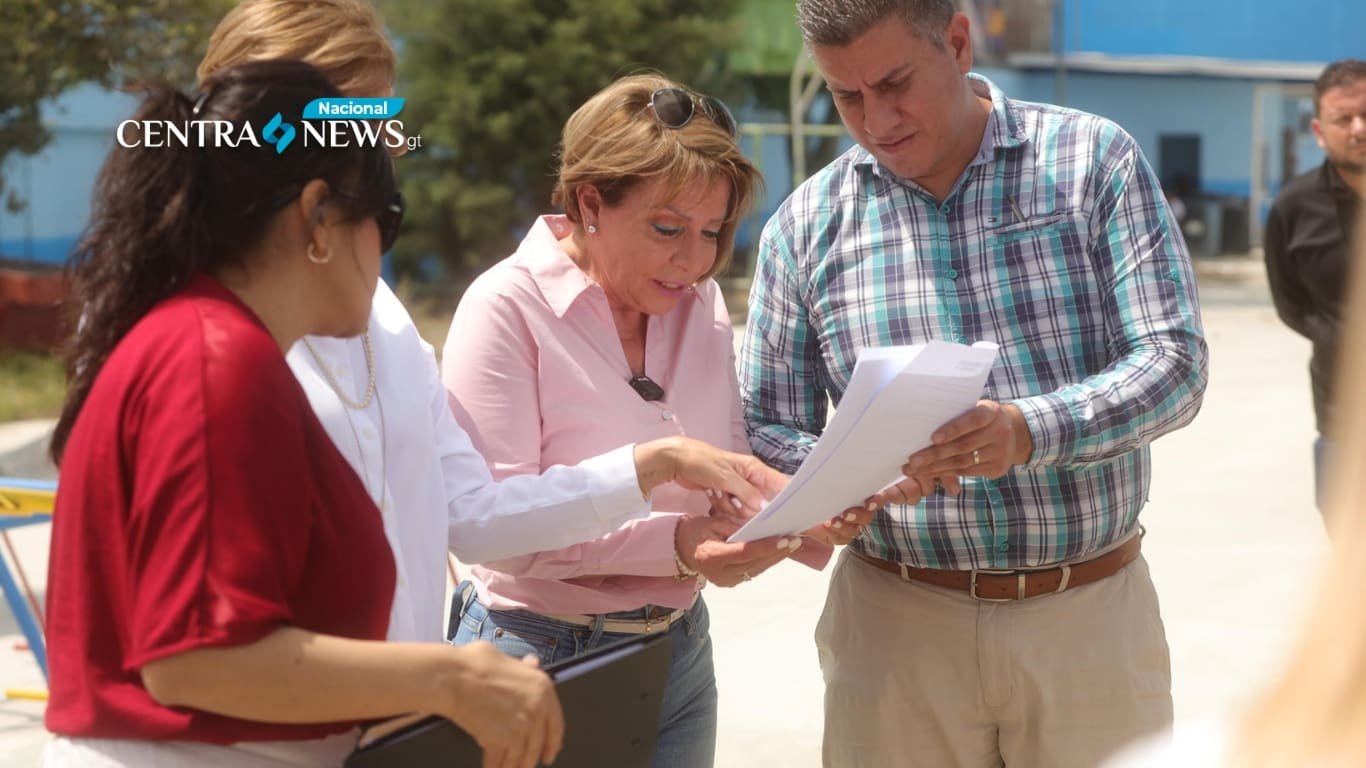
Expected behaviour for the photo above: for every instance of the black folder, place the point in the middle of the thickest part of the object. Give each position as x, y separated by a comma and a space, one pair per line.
611, 698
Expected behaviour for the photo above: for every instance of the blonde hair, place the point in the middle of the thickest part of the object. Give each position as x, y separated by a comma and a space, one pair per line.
1316, 713
343, 39
614, 142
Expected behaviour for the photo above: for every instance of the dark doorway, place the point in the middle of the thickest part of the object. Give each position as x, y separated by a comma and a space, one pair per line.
1179, 160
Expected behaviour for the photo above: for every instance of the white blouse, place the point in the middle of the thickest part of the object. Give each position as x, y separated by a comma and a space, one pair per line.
428, 479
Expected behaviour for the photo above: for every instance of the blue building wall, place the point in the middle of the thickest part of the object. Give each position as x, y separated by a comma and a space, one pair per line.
1265, 30
57, 183
1265, 51
1219, 110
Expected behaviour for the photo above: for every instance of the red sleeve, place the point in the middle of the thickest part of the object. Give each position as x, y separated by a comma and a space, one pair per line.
220, 515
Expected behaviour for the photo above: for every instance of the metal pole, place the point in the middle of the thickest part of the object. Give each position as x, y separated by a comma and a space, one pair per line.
1258, 188
1060, 52
24, 616
797, 117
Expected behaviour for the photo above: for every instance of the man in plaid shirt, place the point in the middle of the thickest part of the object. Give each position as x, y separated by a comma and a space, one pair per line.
1014, 621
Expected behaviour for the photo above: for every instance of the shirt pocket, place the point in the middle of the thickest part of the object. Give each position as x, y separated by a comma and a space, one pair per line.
1042, 242
1038, 225
1052, 310
517, 637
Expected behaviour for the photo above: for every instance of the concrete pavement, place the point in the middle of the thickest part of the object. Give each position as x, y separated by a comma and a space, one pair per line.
1233, 542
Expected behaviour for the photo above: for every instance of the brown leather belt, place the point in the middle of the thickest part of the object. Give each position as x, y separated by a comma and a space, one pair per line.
1004, 586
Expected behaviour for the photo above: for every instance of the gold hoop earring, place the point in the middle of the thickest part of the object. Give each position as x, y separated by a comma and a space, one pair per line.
313, 256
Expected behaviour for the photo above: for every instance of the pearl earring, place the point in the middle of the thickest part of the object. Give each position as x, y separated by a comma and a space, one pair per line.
592, 230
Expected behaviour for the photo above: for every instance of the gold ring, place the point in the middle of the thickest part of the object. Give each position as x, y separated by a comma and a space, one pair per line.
976, 457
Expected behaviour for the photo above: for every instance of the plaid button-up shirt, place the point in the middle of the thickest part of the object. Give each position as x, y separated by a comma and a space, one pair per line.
1056, 243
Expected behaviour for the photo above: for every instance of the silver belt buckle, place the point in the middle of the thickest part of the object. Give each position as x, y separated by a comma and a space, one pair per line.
972, 586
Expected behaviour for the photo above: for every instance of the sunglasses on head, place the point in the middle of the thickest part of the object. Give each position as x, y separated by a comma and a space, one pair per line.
389, 219
676, 107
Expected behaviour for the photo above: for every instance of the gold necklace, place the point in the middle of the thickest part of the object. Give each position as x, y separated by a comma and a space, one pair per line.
335, 384
370, 396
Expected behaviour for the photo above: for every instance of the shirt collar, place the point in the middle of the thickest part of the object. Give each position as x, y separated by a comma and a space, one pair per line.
1331, 181
557, 276
559, 279
1005, 128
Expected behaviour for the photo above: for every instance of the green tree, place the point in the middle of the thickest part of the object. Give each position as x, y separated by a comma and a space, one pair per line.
490, 84
48, 46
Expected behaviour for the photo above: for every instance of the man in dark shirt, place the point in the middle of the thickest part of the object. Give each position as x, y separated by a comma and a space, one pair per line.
1309, 232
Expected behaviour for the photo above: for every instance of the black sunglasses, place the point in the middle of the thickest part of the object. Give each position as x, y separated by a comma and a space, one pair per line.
646, 387
676, 107
389, 219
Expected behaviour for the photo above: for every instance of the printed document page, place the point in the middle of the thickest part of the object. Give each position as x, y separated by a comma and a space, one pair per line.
896, 399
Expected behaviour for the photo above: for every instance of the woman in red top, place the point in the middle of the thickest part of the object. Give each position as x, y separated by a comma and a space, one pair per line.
220, 581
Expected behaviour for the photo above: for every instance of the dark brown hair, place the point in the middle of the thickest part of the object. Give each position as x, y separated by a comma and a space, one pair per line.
164, 214
1340, 73
841, 22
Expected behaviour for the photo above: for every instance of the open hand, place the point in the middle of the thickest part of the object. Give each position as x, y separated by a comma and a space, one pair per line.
702, 546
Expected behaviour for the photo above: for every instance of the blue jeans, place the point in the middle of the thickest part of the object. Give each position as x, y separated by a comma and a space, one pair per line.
687, 718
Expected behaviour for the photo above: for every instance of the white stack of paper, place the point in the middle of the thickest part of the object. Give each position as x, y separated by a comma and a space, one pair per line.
896, 399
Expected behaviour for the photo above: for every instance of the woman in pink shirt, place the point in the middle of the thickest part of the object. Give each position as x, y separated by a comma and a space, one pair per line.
606, 328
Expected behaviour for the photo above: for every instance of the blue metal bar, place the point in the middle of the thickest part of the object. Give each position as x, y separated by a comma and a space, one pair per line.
28, 623
28, 485
8, 522
28, 502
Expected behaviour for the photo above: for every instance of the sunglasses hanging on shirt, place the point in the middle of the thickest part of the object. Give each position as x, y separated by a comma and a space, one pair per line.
646, 387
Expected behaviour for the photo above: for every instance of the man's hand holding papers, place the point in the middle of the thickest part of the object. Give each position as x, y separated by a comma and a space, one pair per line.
987, 441
897, 398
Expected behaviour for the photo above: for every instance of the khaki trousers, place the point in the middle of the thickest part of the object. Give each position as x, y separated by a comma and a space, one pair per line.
919, 676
